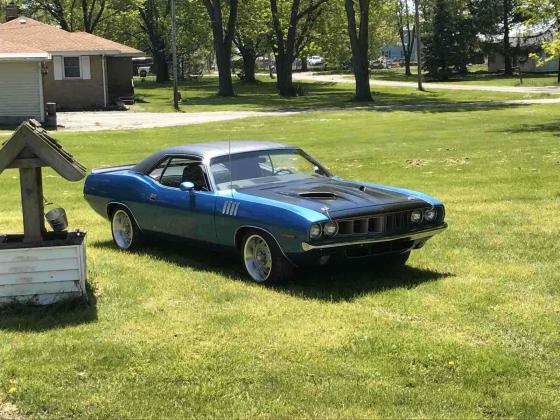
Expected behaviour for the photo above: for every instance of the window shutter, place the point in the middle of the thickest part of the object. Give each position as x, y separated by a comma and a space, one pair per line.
84, 64
58, 67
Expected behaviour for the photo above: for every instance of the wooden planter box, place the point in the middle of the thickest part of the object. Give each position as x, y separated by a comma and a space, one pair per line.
45, 272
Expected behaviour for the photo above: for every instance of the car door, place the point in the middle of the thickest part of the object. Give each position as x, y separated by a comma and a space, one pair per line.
171, 211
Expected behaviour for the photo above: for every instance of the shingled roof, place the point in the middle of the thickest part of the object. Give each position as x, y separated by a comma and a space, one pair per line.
32, 144
10, 50
38, 35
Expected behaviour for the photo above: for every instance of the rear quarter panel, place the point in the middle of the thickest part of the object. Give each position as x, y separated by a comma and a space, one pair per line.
126, 187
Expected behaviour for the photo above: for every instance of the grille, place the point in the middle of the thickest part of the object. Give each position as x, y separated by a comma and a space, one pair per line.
390, 223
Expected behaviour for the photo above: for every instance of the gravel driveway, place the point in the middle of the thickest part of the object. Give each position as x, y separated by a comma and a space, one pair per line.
123, 120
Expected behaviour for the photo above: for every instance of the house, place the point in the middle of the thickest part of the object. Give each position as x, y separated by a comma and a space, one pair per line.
77, 70
524, 40
21, 82
394, 51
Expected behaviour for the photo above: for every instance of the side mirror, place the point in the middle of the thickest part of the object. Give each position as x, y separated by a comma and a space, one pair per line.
186, 186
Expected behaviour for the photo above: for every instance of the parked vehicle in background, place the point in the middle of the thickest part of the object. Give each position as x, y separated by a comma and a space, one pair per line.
144, 71
315, 60
272, 203
380, 63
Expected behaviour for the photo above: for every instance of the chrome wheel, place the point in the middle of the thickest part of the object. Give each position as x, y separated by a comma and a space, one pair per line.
123, 232
258, 258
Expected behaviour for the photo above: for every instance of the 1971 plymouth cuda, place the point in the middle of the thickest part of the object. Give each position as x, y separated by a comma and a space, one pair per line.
271, 202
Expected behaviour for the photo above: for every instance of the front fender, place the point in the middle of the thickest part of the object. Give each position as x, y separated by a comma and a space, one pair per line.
288, 224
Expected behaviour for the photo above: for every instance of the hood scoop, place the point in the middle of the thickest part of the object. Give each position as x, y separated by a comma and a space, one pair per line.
319, 195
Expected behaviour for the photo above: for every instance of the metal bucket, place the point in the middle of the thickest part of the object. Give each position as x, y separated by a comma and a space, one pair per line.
57, 219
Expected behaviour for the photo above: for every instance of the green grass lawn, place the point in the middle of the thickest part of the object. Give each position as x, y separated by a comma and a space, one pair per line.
200, 95
477, 76
468, 329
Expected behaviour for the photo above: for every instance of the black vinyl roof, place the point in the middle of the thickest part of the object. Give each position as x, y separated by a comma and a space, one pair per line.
206, 151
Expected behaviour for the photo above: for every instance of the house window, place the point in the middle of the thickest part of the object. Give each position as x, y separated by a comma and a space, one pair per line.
72, 67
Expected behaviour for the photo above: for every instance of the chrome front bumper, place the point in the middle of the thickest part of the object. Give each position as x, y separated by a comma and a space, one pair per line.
412, 236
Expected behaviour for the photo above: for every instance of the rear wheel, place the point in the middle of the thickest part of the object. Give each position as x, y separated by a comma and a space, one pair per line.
126, 233
263, 260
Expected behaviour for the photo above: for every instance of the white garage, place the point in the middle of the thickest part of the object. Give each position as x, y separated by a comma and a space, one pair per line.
21, 86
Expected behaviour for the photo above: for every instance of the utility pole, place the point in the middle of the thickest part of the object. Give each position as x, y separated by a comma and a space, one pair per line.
174, 53
418, 42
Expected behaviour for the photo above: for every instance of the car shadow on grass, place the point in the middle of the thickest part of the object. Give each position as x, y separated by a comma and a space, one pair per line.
355, 279
332, 283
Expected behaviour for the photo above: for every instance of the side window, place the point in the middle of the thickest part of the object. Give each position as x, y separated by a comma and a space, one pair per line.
158, 170
173, 173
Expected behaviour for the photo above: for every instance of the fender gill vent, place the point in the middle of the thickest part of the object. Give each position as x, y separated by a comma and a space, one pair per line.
325, 195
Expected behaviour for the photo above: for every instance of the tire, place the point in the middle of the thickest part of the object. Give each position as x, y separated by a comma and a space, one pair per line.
263, 260
126, 233
143, 73
395, 260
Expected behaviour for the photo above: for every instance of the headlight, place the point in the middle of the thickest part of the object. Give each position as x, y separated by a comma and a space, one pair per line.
416, 216
430, 215
330, 228
315, 231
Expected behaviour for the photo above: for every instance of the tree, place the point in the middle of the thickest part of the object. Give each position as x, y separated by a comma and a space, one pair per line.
506, 12
332, 40
495, 18
407, 31
2, 11
288, 43
223, 39
539, 11
252, 36
154, 24
359, 37
451, 40
79, 15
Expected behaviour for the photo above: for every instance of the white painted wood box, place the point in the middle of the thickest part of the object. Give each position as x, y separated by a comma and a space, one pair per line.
44, 273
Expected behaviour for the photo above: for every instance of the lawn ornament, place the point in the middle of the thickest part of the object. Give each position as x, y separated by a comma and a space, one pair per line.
39, 266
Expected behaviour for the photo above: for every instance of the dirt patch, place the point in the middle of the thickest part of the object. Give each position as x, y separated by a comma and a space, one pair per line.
9, 411
415, 163
456, 161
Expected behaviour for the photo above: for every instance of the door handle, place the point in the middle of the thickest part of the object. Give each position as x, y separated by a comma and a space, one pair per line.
153, 197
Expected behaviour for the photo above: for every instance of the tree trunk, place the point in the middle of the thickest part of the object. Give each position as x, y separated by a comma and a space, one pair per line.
223, 61
361, 74
407, 65
559, 70
304, 63
249, 59
284, 82
223, 38
160, 67
508, 69
359, 44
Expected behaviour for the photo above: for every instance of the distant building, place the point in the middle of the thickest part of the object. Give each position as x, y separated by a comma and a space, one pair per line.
42, 63
395, 51
524, 40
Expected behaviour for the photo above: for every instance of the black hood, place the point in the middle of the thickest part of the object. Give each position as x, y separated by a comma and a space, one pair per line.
340, 197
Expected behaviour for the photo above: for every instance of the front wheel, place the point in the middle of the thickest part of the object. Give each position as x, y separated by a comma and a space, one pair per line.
263, 260
126, 233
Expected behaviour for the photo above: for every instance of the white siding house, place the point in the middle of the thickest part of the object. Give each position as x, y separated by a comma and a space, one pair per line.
21, 83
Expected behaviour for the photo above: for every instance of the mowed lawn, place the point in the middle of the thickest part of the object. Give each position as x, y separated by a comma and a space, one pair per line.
478, 75
200, 96
469, 329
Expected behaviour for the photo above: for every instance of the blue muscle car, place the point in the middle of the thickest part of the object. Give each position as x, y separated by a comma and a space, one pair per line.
271, 202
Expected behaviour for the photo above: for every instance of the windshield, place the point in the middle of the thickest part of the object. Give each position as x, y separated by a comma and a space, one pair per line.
263, 167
